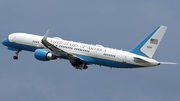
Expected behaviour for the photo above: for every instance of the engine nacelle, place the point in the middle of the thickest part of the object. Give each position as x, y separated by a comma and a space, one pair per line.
44, 55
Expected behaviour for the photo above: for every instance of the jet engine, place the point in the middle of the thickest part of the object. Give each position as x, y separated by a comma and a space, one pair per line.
44, 55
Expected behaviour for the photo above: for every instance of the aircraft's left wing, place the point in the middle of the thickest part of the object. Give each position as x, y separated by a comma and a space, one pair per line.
57, 51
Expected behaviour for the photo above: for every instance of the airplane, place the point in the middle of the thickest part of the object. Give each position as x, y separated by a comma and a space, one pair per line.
80, 55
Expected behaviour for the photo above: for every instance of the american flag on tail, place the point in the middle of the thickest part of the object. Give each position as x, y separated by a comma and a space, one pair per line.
154, 41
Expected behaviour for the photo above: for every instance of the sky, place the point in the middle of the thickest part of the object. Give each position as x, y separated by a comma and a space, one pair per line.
119, 24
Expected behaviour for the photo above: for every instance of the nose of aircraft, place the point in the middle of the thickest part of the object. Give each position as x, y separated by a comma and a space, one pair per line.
5, 41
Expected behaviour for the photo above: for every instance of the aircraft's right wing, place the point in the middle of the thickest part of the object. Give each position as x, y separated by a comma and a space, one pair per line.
57, 51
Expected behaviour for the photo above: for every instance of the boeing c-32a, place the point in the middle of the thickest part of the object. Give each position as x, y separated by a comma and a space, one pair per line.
80, 55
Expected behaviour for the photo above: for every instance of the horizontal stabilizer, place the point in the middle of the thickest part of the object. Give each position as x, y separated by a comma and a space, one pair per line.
139, 60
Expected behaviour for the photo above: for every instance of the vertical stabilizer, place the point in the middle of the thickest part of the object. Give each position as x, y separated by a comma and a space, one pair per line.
149, 45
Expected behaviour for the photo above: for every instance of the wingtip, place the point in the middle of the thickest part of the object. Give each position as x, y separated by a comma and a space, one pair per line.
46, 35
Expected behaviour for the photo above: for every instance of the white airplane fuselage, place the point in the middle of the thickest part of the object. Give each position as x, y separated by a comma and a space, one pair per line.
90, 54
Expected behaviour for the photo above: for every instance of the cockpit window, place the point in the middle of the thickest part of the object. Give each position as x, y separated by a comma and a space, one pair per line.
8, 37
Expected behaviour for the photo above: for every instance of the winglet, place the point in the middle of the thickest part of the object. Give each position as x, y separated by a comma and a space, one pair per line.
44, 40
57, 51
46, 35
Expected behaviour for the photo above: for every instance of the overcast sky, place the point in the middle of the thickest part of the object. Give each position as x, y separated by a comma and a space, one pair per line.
119, 24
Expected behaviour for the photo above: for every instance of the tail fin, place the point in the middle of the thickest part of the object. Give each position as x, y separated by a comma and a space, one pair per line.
148, 46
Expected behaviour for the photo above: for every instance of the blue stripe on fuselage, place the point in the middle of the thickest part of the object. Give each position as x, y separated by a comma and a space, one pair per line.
18, 46
86, 59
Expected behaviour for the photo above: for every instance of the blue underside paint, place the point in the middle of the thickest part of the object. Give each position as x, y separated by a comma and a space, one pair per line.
136, 50
86, 59
104, 62
18, 46
13, 49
